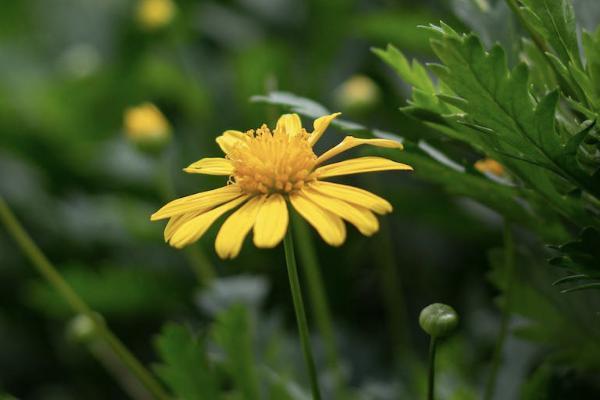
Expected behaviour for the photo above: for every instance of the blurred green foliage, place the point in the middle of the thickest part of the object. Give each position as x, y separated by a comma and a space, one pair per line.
69, 70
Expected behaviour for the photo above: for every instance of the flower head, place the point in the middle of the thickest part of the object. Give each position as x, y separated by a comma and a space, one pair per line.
146, 126
154, 14
269, 169
359, 91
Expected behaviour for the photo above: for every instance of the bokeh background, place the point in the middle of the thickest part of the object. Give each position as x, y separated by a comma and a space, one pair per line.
69, 70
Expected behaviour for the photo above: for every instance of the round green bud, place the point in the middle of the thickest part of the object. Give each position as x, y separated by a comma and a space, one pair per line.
438, 320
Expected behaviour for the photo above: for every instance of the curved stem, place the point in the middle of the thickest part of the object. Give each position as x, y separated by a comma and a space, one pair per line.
431, 376
509, 266
393, 293
290, 258
317, 295
48, 271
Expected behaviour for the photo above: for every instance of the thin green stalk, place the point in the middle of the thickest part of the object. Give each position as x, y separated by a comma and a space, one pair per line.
431, 375
392, 291
509, 267
316, 292
47, 270
197, 259
113, 364
290, 259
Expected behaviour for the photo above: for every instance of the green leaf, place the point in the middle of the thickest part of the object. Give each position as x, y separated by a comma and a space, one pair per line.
232, 332
567, 329
435, 166
185, 367
554, 20
580, 257
521, 131
117, 292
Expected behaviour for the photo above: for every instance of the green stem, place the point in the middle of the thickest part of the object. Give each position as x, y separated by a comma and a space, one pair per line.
509, 267
393, 295
47, 270
316, 292
290, 259
119, 371
431, 377
197, 259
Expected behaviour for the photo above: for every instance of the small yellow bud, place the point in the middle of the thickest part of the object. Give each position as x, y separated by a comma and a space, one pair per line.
146, 126
359, 91
487, 165
438, 320
154, 14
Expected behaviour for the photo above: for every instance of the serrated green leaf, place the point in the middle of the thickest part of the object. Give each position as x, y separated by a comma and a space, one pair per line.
555, 22
519, 128
564, 327
184, 366
424, 89
433, 165
581, 255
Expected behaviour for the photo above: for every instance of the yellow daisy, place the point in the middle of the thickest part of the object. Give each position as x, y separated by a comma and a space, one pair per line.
269, 169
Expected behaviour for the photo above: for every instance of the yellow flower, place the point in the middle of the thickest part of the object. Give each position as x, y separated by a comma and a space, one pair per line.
269, 170
487, 165
154, 14
357, 92
145, 125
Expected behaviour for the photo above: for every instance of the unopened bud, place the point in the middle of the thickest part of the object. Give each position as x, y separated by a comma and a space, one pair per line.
357, 92
155, 14
438, 320
147, 127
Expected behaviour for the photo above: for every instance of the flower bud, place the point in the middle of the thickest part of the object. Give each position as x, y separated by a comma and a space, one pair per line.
155, 14
147, 127
358, 92
438, 320
82, 328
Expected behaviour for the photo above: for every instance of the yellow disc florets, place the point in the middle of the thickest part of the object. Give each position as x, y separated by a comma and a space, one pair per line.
273, 162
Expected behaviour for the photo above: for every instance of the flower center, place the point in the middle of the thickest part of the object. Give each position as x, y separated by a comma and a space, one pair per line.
273, 162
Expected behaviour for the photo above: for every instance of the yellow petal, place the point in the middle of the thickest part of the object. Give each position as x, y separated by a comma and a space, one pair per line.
193, 229
350, 142
330, 226
360, 217
235, 228
289, 124
230, 139
176, 222
211, 166
360, 165
319, 127
271, 222
353, 195
198, 202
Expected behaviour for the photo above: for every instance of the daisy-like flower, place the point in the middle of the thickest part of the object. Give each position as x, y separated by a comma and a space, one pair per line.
268, 171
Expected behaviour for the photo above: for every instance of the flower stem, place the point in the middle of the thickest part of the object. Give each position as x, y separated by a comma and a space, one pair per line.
509, 267
393, 294
290, 258
316, 292
431, 378
48, 271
